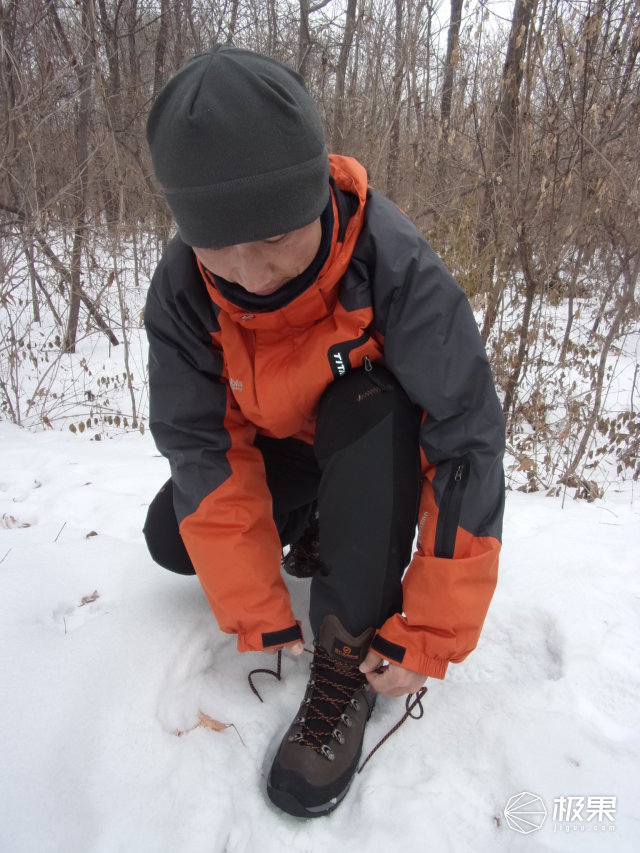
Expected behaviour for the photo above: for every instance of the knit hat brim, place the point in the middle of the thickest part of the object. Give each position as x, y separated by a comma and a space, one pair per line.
251, 208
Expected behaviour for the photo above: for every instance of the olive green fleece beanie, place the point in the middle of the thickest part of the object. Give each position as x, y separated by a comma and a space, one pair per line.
238, 148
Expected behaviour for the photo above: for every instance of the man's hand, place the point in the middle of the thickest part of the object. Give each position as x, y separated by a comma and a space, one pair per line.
294, 649
392, 680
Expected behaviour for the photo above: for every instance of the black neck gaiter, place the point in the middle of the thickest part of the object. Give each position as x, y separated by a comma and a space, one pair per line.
246, 301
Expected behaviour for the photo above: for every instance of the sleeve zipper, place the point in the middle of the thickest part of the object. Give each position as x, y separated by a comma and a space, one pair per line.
450, 509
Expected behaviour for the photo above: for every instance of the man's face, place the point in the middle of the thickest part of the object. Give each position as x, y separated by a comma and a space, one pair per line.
264, 266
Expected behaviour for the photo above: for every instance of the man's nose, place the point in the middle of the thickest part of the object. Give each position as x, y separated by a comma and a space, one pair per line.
252, 270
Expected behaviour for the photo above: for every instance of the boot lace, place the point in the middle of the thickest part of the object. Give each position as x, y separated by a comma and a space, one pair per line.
333, 685
413, 701
316, 725
276, 673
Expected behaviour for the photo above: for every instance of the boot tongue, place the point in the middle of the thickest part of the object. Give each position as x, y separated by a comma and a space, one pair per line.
339, 643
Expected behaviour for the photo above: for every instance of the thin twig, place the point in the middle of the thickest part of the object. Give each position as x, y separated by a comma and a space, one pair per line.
60, 531
5, 556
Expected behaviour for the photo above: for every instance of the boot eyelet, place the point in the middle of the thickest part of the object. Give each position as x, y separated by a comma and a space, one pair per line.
346, 720
326, 751
338, 736
355, 704
296, 738
299, 721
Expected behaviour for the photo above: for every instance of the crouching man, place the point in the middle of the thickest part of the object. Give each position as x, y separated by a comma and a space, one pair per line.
316, 380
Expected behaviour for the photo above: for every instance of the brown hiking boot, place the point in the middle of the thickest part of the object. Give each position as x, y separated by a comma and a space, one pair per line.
319, 754
303, 559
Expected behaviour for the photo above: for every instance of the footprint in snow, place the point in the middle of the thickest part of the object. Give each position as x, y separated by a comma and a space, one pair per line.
188, 673
72, 616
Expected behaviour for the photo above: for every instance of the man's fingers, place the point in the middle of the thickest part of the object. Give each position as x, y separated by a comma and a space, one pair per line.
371, 662
294, 649
396, 681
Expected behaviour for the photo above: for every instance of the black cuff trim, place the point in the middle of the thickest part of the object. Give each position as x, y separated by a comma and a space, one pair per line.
389, 651
279, 638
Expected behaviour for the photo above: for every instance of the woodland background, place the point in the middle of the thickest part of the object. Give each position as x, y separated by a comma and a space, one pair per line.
508, 131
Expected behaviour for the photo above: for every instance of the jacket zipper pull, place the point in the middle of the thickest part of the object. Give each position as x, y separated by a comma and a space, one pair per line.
368, 368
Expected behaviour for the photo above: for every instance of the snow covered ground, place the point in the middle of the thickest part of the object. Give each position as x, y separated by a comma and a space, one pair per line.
93, 693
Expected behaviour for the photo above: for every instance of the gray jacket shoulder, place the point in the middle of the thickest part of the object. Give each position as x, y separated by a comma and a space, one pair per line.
178, 289
400, 261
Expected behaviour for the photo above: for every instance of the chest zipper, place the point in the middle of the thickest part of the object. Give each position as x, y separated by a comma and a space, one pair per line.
368, 369
450, 508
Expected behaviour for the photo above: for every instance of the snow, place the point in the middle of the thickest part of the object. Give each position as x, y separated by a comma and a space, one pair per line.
94, 693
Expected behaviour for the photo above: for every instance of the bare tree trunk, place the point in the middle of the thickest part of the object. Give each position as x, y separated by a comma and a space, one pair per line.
355, 67
161, 48
421, 94
530, 292
132, 24
177, 27
337, 136
304, 39
272, 27
7, 34
504, 132
415, 106
8, 71
233, 22
124, 320
577, 264
450, 63
28, 250
396, 96
85, 74
10, 84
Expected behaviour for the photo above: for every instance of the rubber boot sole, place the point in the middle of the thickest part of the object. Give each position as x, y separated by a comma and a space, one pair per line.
289, 804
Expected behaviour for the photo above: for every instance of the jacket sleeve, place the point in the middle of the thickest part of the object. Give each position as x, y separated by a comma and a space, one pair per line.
221, 497
433, 347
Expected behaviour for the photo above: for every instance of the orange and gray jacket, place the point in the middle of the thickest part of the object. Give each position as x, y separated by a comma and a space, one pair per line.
220, 372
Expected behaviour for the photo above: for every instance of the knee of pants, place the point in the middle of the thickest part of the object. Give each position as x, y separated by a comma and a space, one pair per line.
162, 534
352, 405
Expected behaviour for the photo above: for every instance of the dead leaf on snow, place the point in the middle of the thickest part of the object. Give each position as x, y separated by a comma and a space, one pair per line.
89, 599
90, 534
9, 522
206, 722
